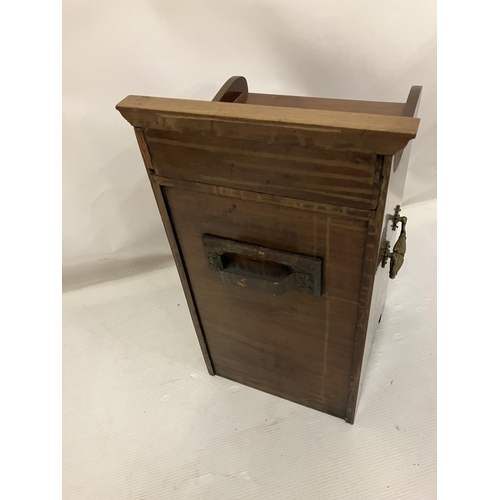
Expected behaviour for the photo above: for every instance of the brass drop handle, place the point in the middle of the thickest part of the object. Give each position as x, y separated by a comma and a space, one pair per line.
397, 256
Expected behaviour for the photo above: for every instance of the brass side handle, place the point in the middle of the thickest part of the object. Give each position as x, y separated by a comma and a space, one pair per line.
397, 256
262, 269
276, 285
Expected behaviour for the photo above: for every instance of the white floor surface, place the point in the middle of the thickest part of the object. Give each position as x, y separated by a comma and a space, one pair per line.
142, 419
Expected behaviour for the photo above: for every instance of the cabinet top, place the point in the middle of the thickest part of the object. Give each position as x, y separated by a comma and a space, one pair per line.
379, 127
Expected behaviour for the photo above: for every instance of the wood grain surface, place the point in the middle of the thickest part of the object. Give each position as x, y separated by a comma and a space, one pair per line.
266, 165
341, 130
345, 105
296, 346
172, 240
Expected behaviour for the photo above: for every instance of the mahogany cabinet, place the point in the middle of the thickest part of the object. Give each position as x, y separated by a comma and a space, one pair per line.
283, 216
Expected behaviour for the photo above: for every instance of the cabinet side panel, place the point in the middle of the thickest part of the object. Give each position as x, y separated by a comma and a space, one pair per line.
391, 194
395, 191
368, 289
169, 229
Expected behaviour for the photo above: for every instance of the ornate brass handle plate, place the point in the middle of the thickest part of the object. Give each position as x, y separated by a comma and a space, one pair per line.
262, 269
397, 256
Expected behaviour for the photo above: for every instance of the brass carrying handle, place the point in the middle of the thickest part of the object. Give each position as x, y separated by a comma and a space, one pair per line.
397, 256
275, 285
262, 269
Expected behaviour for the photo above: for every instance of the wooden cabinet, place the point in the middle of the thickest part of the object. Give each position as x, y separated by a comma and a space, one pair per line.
278, 210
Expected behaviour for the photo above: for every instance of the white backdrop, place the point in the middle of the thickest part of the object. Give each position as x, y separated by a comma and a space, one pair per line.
326, 48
